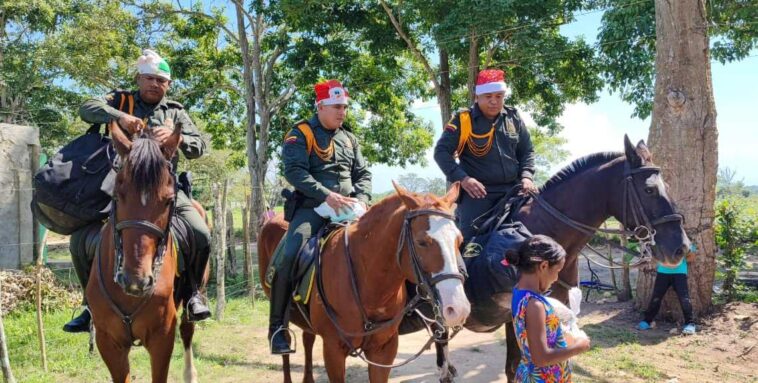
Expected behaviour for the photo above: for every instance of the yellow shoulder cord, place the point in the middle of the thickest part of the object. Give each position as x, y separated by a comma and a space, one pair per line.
465, 121
311, 144
477, 150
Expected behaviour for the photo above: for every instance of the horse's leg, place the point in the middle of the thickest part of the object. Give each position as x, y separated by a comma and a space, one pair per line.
286, 368
308, 341
446, 369
334, 360
160, 348
513, 353
384, 354
187, 330
115, 356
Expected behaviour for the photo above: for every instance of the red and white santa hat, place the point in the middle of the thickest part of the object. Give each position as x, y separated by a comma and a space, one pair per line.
490, 81
330, 92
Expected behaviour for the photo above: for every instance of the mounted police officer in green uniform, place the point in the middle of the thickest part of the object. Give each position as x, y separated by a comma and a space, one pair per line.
323, 161
148, 108
488, 148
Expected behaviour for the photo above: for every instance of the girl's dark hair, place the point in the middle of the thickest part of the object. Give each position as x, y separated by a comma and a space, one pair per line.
534, 250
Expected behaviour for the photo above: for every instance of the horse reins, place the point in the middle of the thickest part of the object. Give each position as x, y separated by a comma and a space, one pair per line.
644, 230
118, 264
425, 292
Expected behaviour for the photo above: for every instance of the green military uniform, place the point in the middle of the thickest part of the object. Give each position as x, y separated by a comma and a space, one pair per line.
102, 111
346, 173
510, 159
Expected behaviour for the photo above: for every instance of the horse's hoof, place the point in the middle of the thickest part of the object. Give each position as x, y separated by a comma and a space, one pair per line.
452, 370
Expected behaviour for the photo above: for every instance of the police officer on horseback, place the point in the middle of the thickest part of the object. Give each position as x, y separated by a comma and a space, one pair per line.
323, 161
148, 108
488, 149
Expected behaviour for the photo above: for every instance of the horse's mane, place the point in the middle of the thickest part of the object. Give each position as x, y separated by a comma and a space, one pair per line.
578, 166
382, 210
146, 162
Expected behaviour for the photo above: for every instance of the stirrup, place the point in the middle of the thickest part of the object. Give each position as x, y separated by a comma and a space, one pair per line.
292, 336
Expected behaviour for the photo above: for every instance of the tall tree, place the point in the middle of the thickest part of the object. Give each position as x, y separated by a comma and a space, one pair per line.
671, 44
683, 125
544, 69
51, 52
252, 74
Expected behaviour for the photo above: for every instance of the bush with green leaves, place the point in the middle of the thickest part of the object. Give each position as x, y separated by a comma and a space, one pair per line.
736, 236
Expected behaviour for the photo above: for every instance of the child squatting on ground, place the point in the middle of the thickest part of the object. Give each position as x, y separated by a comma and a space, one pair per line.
545, 347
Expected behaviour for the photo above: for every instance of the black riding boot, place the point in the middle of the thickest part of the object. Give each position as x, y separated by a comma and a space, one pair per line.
197, 306
80, 323
281, 291
197, 310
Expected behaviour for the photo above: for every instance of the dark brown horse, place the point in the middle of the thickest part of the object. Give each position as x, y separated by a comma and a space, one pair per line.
404, 237
131, 287
574, 203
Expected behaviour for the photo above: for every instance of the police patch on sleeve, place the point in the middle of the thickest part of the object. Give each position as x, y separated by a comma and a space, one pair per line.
290, 138
450, 127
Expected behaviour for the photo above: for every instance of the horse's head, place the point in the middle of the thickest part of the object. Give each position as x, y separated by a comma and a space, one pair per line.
648, 209
143, 202
432, 258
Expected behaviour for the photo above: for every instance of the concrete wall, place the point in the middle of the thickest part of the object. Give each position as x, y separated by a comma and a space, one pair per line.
16, 228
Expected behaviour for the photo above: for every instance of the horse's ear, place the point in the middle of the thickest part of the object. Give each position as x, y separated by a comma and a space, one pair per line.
631, 153
452, 195
410, 201
121, 142
172, 142
644, 152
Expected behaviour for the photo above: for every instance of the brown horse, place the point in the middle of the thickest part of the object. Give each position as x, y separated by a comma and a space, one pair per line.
131, 287
404, 237
571, 206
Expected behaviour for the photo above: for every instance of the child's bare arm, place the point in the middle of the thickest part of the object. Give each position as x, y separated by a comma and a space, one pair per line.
542, 355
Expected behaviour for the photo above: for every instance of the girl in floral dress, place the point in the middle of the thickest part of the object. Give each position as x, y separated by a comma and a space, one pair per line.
545, 348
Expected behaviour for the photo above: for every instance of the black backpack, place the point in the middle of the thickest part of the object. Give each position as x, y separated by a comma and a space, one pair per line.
68, 190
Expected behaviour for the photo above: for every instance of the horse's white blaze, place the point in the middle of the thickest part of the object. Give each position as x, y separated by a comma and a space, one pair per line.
143, 198
190, 374
656, 181
455, 306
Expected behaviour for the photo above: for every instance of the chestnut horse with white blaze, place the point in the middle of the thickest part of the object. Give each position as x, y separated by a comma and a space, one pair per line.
404, 237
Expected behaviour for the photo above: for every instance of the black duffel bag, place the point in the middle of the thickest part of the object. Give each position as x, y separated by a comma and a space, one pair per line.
68, 190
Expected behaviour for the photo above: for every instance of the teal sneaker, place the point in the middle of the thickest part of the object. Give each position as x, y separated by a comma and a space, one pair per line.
643, 326
689, 329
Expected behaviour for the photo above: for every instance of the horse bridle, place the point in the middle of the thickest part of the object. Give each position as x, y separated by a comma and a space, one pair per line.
644, 228
148, 226
162, 234
425, 283
425, 292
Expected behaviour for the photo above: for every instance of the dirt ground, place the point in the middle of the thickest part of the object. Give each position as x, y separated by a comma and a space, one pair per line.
724, 350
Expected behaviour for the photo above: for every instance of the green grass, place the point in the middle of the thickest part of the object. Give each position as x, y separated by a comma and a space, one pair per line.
69, 359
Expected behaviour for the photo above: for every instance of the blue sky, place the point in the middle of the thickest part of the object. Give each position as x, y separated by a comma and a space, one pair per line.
601, 126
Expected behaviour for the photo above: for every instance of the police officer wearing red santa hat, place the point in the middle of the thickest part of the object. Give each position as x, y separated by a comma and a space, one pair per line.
323, 161
488, 149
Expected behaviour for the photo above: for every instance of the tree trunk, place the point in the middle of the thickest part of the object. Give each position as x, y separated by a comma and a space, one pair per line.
444, 96
473, 65
231, 251
684, 140
6, 364
245, 245
219, 245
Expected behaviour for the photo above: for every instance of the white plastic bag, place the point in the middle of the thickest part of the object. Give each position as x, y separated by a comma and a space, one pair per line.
575, 300
355, 211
